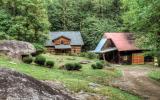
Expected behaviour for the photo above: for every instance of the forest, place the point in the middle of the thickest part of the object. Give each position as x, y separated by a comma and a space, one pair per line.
31, 20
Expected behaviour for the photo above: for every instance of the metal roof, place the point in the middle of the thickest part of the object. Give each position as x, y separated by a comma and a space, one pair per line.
100, 45
75, 36
62, 46
108, 50
122, 41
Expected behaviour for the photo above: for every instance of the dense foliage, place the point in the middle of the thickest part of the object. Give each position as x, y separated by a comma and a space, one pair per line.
24, 20
143, 17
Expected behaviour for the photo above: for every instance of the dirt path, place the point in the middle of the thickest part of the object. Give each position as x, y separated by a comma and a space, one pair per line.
135, 80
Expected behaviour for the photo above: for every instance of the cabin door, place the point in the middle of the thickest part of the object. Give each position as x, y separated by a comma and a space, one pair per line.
137, 58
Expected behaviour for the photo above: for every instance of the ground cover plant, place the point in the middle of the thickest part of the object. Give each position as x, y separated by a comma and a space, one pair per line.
155, 75
50, 64
40, 60
74, 80
28, 60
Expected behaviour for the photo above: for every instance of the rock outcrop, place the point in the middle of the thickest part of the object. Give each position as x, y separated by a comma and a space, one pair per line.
16, 49
17, 86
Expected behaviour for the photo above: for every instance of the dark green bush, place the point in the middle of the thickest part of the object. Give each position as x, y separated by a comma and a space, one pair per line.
40, 60
73, 66
94, 66
49, 64
27, 60
99, 65
77, 66
69, 66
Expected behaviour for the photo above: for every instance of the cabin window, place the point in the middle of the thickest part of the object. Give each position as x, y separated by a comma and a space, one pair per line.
62, 42
125, 58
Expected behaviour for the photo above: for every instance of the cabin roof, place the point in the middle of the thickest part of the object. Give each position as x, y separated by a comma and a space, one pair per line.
74, 36
122, 41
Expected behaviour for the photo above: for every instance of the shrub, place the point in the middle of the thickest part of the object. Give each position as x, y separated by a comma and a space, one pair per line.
91, 55
77, 66
40, 60
73, 66
69, 66
105, 63
27, 60
82, 54
99, 65
94, 66
49, 64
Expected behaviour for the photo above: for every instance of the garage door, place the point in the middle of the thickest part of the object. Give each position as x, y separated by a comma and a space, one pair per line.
137, 58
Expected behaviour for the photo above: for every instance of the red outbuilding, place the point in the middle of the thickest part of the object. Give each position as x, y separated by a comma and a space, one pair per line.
120, 48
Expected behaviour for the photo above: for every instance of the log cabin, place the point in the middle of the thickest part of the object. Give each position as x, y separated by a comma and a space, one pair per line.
64, 42
120, 48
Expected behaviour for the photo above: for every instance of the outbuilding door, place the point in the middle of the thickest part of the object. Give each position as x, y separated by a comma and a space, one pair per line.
137, 58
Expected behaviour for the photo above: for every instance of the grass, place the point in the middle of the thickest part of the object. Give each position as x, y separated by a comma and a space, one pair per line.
74, 80
155, 75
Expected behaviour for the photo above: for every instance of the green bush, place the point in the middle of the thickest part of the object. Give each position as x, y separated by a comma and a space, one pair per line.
105, 63
91, 55
73, 66
94, 66
49, 64
99, 65
40, 60
82, 54
77, 66
27, 60
69, 66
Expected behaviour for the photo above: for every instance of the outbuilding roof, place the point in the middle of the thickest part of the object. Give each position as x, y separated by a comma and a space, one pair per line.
122, 41
74, 36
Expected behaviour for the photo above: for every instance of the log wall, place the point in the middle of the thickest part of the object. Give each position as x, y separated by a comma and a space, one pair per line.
61, 40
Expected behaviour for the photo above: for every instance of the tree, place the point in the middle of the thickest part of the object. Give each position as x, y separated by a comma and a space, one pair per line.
142, 17
27, 20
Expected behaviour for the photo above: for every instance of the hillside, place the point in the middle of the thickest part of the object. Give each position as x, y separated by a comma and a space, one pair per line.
75, 81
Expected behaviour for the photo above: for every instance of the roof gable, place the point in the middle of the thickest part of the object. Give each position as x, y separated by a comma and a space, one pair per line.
122, 41
61, 37
74, 36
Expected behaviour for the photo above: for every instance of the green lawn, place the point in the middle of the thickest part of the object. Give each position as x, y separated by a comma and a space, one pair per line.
74, 80
155, 75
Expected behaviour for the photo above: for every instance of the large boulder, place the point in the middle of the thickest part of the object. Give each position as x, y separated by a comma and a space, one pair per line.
17, 86
16, 49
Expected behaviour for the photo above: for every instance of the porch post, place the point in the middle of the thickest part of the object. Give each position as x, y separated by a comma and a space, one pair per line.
119, 61
104, 56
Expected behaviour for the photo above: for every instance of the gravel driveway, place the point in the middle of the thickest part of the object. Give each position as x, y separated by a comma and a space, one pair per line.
135, 80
